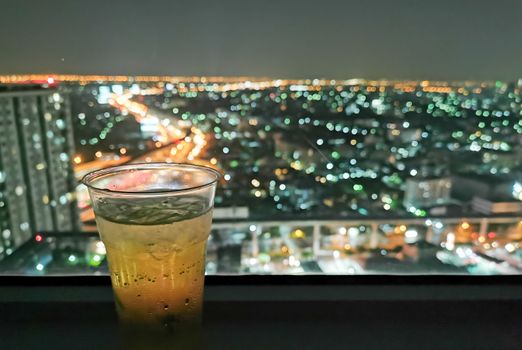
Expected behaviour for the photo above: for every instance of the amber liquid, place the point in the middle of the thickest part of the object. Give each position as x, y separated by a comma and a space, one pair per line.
157, 271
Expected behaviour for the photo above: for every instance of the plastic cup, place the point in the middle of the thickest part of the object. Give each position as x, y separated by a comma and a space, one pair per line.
154, 220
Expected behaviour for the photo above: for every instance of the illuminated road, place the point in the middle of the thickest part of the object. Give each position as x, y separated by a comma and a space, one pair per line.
167, 128
184, 151
176, 142
169, 131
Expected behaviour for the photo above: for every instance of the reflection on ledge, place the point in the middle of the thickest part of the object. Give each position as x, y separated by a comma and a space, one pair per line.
477, 246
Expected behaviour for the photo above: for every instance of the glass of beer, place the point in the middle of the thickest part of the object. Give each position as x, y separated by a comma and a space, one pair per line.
154, 220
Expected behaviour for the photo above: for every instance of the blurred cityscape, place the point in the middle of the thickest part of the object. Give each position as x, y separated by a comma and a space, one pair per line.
319, 176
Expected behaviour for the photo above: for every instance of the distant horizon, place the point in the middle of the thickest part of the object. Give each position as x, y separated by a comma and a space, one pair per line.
69, 77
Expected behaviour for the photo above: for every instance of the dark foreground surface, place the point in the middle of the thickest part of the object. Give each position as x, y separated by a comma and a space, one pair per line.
276, 325
481, 322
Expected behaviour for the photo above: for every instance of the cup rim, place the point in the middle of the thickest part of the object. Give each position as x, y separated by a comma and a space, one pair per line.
89, 177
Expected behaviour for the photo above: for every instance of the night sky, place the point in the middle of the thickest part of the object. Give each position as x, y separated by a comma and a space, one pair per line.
396, 39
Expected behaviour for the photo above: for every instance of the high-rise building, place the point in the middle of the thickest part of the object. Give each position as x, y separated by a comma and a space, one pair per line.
424, 193
36, 176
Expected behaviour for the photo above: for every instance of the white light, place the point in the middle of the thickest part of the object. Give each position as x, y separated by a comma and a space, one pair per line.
226, 150
410, 234
96, 258
319, 142
72, 258
353, 231
439, 225
252, 228
475, 147
255, 183
19, 190
100, 248
39, 267
329, 166
6, 233
336, 254
510, 248
227, 177
282, 187
460, 252
413, 172
517, 191
342, 230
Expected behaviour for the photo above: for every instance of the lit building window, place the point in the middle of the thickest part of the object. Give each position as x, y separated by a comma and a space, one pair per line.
19, 190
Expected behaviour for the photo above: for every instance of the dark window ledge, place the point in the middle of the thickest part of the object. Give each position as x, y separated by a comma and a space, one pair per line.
282, 288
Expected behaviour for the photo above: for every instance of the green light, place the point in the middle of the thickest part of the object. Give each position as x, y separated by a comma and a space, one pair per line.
457, 134
94, 260
336, 155
287, 121
357, 187
363, 211
419, 212
234, 163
